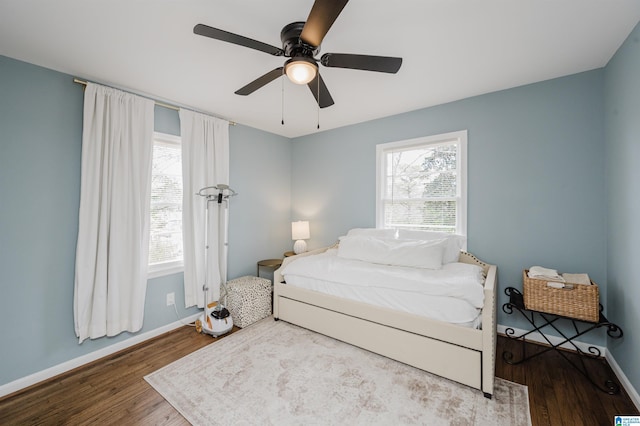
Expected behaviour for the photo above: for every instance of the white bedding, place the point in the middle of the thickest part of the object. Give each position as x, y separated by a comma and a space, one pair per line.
453, 293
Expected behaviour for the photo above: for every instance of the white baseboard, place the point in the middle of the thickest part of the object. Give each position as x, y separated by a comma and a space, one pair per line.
624, 381
40, 376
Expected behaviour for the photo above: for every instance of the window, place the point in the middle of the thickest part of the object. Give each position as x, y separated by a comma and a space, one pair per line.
421, 183
165, 240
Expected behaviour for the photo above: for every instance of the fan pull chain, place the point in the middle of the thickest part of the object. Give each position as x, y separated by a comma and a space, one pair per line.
318, 78
282, 111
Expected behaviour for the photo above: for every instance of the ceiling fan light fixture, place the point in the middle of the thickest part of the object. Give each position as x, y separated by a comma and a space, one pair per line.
301, 70
301, 43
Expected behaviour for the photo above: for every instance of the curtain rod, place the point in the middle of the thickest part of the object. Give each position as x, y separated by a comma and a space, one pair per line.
162, 104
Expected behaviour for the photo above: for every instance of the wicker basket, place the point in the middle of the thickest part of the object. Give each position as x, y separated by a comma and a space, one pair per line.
580, 302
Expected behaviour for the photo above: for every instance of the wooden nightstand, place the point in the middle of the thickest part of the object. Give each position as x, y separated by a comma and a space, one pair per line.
268, 263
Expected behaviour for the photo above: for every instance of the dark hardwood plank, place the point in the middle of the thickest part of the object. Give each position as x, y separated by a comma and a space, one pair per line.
558, 394
113, 390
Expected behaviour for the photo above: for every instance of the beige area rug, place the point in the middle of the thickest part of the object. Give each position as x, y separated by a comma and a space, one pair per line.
276, 373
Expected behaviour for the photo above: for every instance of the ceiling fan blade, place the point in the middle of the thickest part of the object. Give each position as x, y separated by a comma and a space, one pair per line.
215, 33
362, 62
323, 14
259, 82
325, 99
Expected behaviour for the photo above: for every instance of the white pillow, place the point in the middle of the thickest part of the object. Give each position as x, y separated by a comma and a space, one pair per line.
373, 232
453, 245
414, 234
412, 253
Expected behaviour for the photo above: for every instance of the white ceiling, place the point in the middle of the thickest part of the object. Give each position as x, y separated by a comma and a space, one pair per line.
451, 49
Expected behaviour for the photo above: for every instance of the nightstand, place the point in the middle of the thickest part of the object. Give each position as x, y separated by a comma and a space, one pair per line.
273, 264
289, 254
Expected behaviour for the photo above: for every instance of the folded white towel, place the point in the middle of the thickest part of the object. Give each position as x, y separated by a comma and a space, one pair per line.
577, 278
538, 272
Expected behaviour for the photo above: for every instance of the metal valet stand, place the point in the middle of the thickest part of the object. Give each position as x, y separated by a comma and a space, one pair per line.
216, 319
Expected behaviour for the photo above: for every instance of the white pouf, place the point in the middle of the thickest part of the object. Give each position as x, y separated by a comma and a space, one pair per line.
249, 299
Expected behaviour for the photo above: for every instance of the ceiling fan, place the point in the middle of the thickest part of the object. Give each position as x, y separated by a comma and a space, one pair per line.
301, 43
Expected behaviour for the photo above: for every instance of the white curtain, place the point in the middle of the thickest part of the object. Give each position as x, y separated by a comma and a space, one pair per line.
113, 231
205, 162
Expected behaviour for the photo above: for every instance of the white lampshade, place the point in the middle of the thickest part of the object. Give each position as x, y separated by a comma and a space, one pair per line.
299, 233
300, 230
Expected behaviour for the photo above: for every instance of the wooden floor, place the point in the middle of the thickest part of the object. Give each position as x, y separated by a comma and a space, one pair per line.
113, 391
558, 394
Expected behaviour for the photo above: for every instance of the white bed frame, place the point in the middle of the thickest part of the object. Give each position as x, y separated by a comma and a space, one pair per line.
462, 354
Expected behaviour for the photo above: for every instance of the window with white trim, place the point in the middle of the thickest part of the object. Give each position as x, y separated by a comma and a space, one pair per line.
422, 183
165, 238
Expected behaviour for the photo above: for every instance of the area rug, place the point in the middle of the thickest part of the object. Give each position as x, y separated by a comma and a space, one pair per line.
273, 372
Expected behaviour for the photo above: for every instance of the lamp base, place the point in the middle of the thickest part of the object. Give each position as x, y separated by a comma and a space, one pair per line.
300, 246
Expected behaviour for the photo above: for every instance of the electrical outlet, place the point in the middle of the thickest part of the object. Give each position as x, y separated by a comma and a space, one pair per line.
171, 299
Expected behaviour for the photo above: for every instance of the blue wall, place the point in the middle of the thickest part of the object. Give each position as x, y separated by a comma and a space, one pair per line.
260, 216
622, 112
535, 176
40, 157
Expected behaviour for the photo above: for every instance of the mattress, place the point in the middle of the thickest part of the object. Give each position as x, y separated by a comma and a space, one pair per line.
453, 294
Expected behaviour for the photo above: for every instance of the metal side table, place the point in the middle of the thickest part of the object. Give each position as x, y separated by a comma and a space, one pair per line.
540, 320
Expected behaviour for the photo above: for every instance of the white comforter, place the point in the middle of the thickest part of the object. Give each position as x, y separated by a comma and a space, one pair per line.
455, 280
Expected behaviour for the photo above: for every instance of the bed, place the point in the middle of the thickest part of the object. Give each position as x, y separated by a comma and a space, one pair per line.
461, 352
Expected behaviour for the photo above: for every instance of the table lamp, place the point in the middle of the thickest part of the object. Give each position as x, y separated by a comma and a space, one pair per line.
300, 233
